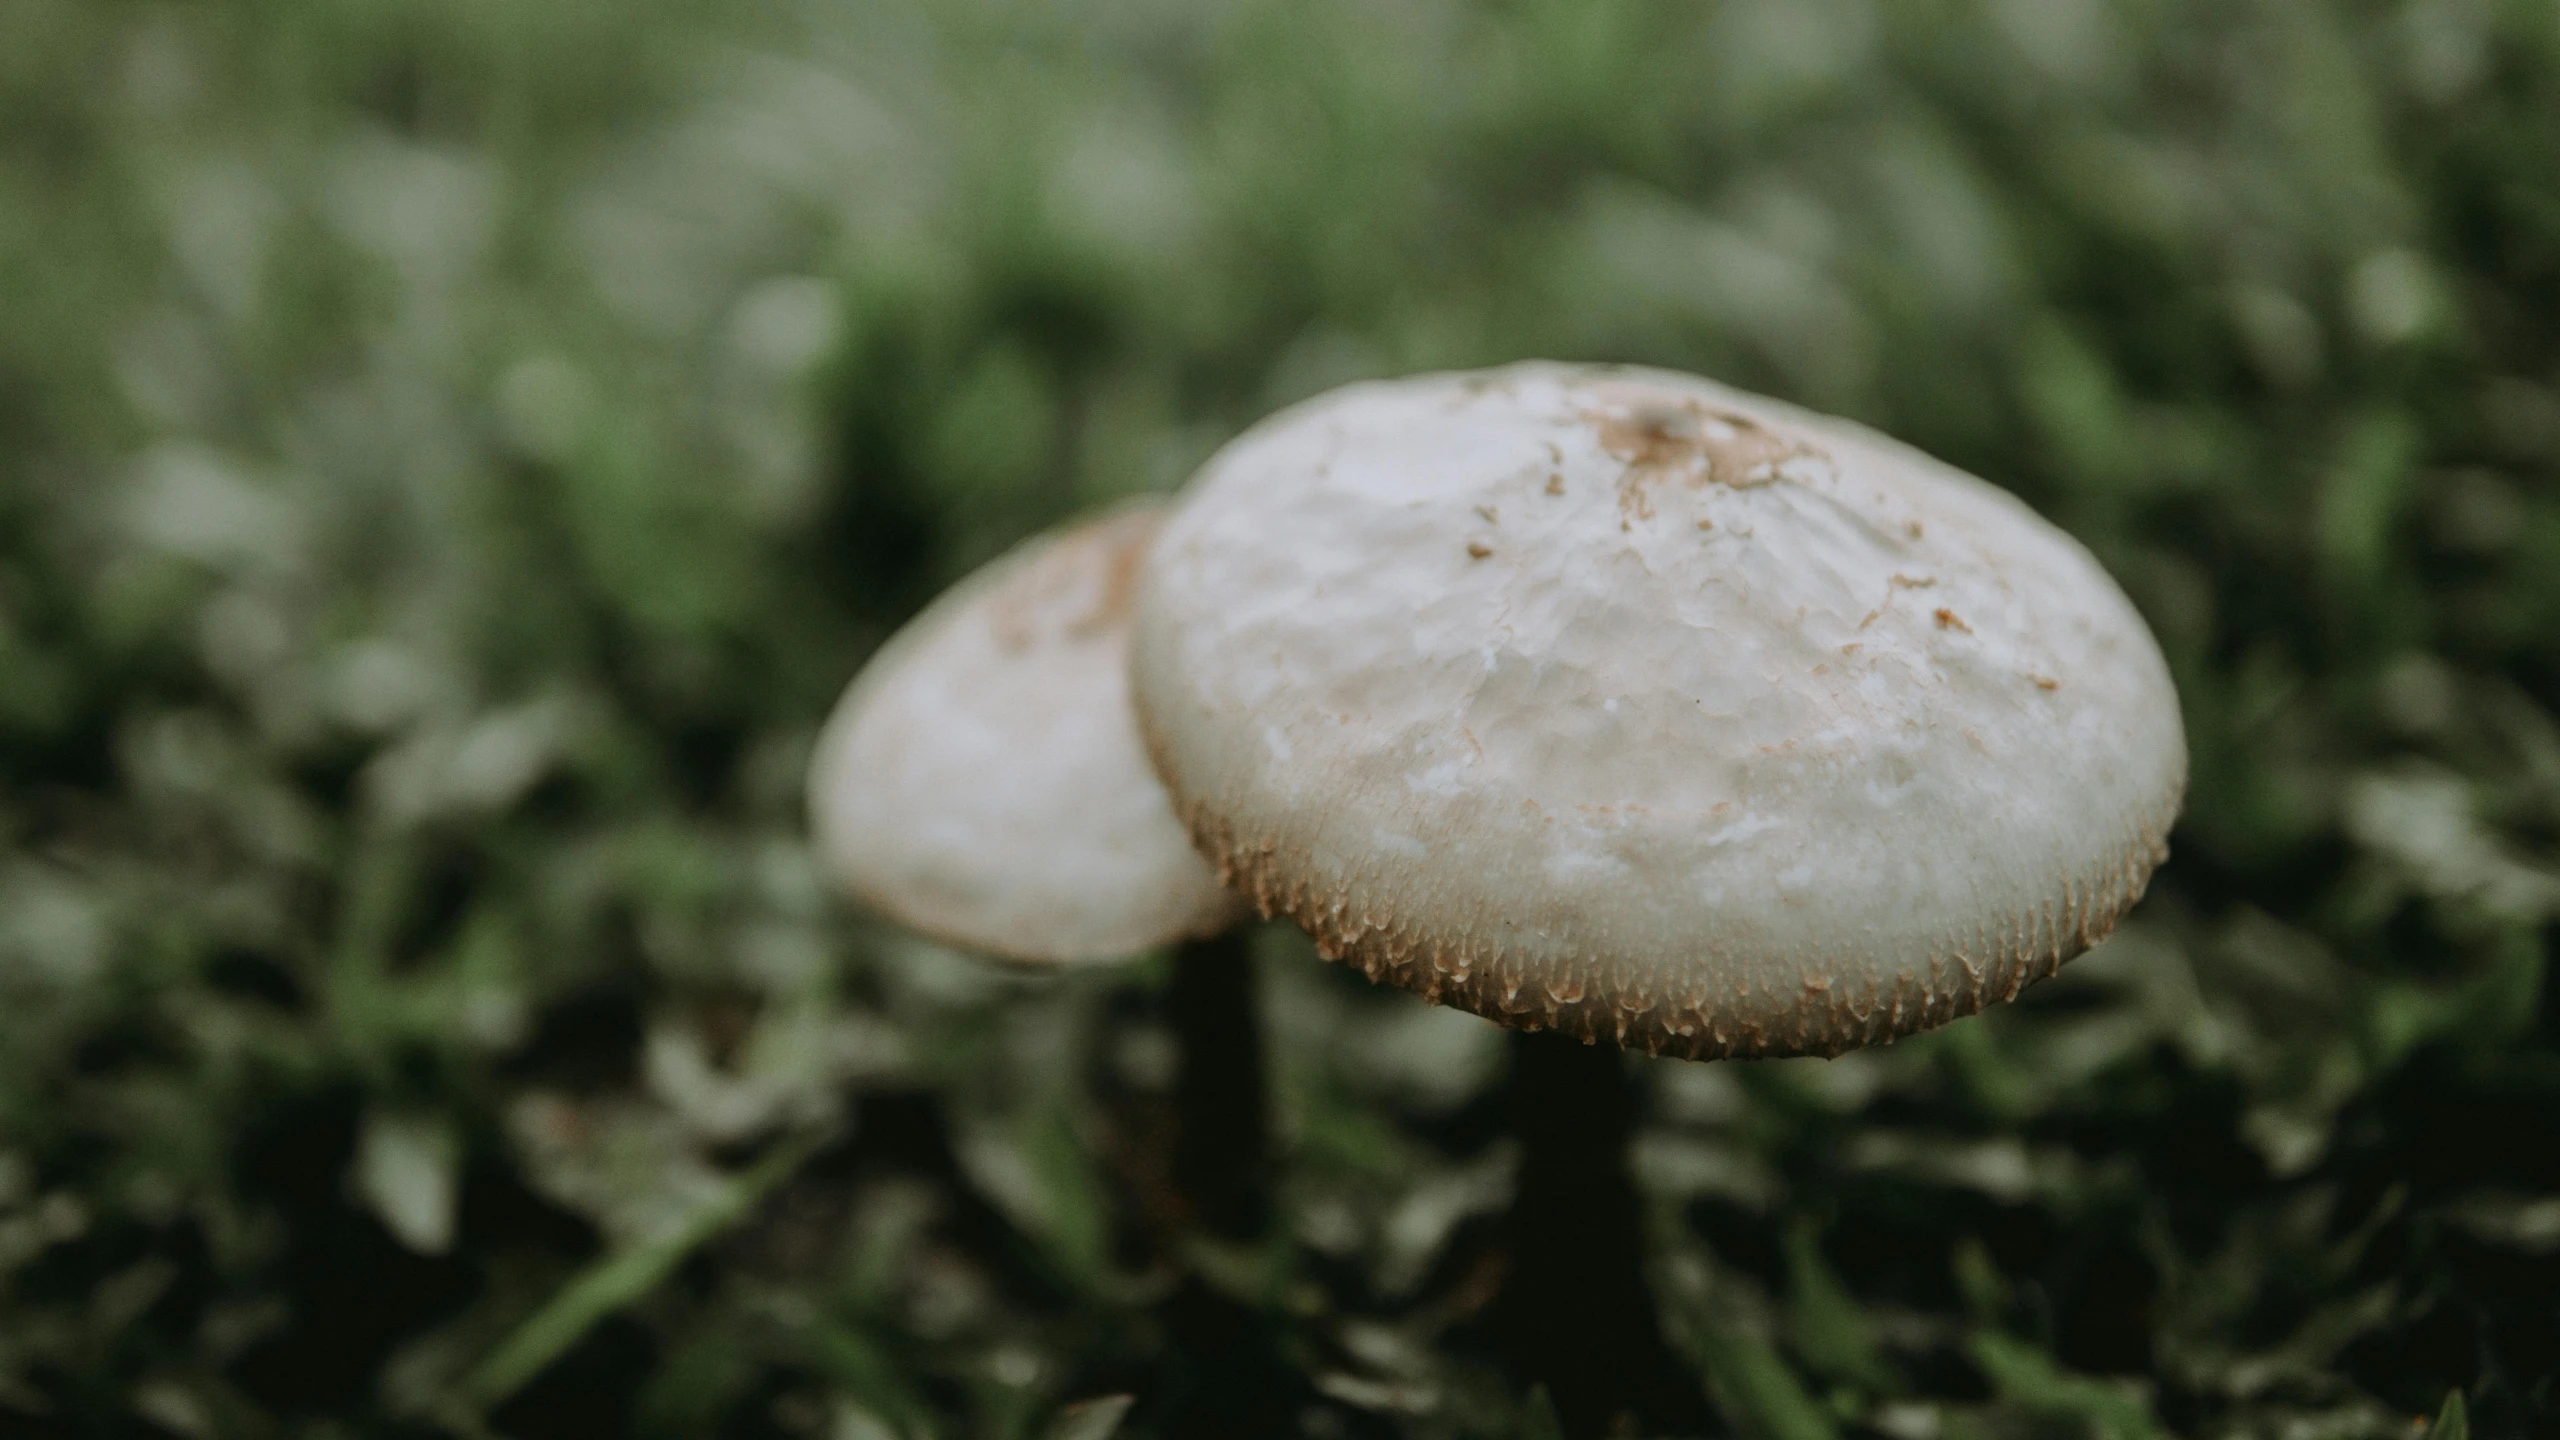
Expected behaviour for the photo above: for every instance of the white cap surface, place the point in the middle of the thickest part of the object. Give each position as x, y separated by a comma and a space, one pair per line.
982, 779
1621, 702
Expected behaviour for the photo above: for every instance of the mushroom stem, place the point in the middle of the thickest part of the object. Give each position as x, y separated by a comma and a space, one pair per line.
1226, 1377
1222, 1114
1575, 1313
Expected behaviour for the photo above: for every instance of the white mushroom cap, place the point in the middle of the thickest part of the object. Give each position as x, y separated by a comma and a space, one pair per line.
982, 780
1619, 701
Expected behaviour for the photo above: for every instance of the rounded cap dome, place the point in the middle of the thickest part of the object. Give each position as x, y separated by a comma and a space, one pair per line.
982, 780
1618, 701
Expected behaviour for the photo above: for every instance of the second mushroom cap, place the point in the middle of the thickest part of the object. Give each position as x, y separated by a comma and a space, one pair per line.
982, 781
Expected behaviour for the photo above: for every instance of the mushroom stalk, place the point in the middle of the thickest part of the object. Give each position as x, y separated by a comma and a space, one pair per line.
1575, 1313
1227, 1377
1221, 1109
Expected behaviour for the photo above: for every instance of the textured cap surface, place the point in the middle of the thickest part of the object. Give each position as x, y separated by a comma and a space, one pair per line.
982, 780
1619, 701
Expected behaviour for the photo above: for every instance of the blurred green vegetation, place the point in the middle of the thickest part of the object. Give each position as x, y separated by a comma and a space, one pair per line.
451, 453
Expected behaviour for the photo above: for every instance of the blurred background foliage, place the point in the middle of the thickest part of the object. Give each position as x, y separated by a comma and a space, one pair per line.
452, 452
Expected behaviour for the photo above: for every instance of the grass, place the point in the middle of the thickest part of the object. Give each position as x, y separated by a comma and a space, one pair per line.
452, 453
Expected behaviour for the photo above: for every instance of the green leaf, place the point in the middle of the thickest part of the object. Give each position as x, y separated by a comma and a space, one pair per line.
860, 1370
1978, 1280
2453, 1422
1756, 1389
2027, 1377
618, 1280
1828, 1328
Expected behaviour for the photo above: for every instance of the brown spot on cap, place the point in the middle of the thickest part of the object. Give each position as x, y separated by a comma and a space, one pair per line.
1948, 620
1654, 434
1097, 563
1695, 442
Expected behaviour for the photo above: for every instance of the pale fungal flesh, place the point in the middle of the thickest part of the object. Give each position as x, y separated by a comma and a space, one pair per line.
982, 780
1621, 702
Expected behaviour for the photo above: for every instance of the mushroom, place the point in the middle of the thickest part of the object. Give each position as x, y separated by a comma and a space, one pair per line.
1619, 702
982, 783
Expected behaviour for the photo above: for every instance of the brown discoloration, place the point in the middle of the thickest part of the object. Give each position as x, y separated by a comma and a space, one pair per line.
1892, 584
1479, 549
1125, 543
1655, 435
2045, 682
1948, 620
1082, 588
1555, 484
1693, 442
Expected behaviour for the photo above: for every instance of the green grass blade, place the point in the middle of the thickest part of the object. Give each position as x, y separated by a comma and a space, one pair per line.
618, 1280
2453, 1422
